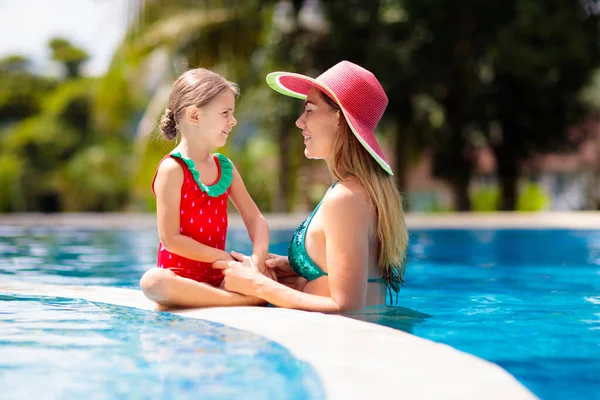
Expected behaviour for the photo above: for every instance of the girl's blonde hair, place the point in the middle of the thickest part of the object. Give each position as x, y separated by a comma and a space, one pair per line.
196, 87
350, 157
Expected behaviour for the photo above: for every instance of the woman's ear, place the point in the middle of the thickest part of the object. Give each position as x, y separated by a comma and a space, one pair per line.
192, 113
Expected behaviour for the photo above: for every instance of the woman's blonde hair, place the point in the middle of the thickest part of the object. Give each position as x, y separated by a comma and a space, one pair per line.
196, 87
350, 157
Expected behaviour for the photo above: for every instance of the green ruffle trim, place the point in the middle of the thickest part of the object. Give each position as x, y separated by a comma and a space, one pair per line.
224, 181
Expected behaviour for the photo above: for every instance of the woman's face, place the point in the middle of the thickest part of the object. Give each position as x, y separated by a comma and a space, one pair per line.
319, 124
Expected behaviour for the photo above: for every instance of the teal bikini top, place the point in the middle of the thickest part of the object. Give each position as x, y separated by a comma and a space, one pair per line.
298, 257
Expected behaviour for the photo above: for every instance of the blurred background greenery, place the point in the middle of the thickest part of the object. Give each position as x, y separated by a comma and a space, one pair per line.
494, 105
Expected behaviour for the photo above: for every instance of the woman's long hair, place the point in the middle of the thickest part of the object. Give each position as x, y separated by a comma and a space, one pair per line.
349, 156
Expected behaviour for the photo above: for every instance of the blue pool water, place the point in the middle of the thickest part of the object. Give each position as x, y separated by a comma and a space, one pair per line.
77, 349
528, 300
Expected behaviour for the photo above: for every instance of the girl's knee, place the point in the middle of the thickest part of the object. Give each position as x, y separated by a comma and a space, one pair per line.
155, 283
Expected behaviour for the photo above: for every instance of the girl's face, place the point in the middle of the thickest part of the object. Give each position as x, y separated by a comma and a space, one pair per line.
214, 121
319, 125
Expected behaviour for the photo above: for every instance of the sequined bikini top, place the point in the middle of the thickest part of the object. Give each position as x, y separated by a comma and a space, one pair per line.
298, 257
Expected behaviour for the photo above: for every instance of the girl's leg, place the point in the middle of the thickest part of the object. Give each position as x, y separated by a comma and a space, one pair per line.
170, 290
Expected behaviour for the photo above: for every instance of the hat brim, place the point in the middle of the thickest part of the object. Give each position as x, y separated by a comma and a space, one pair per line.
298, 86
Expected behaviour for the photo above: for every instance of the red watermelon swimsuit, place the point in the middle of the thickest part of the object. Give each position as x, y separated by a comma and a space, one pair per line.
203, 217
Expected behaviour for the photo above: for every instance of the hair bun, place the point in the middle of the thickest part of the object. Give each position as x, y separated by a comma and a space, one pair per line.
168, 125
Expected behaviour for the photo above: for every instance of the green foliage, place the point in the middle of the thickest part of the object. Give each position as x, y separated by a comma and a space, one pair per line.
21, 92
71, 102
257, 164
11, 170
451, 74
14, 64
96, 178
40, 144
533, 198
70, 56
51, 158
146, 158
485, 199
42, 141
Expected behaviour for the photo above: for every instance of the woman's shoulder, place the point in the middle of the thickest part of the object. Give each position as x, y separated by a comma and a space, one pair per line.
347, 213
347, 197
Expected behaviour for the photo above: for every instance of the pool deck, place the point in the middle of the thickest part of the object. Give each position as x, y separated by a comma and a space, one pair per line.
498, 220
354, 359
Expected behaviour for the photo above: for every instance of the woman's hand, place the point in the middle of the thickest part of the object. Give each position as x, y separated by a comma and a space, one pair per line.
259, 262
240, 276
279, 264
285, 274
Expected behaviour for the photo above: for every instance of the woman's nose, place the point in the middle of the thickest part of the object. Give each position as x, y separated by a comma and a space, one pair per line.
300, 122
233, 121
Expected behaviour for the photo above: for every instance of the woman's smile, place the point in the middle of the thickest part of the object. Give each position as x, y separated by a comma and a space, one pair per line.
307, 137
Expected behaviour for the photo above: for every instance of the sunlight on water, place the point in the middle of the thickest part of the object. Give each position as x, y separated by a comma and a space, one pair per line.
525, 299
77, 349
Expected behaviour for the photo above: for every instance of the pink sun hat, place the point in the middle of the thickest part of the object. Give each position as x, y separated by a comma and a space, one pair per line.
355, 90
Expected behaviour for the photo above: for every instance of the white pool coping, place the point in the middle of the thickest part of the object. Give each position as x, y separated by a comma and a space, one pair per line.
354, 359
496, 220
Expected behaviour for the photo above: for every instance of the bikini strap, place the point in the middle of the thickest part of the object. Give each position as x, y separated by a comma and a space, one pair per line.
336, 182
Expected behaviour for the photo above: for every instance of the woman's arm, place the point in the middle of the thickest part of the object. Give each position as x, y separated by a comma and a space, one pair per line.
346, 219
255, 222
167, 187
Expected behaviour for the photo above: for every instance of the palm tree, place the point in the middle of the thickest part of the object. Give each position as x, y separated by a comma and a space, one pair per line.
163, 40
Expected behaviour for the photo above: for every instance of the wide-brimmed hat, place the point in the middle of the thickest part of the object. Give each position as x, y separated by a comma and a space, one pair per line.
355, 90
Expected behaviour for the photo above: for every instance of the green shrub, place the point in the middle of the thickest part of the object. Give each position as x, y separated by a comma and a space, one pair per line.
533, 197
485, 199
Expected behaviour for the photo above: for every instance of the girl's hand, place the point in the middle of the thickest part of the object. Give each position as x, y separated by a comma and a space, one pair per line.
240, 276
258, 261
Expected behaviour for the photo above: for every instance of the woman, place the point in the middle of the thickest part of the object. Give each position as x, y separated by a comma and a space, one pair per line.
353, 245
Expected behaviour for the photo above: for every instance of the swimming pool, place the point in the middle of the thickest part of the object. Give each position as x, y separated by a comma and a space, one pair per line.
527, 300
82, 349
79, 349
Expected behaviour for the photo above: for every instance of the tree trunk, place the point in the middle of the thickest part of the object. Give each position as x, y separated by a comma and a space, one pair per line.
460, 192
401, 152
507, 162
403, 145
460, 163
508, 190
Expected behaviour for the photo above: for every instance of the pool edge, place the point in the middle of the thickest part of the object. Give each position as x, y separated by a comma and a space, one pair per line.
376, 360
586, 220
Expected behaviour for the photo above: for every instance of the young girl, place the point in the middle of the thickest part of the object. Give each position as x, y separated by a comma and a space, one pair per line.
192, 187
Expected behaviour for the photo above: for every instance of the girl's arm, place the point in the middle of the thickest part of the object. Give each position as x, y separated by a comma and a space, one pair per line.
346, 220
255, 222
167, 187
